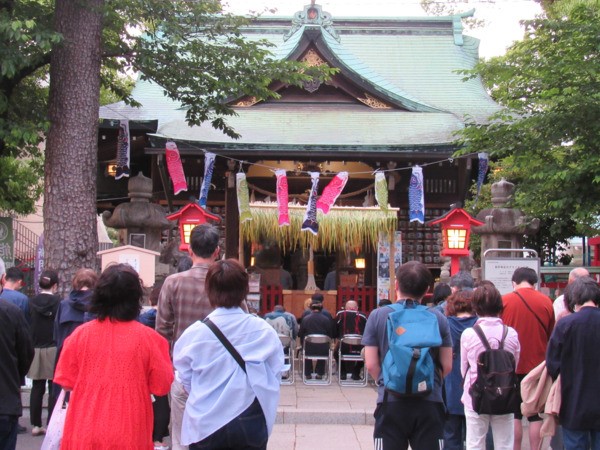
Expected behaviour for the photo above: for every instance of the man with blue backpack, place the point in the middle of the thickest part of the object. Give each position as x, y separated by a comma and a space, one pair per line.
408, 350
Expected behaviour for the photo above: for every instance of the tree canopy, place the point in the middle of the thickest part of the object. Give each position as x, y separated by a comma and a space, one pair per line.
547, 140
190, 48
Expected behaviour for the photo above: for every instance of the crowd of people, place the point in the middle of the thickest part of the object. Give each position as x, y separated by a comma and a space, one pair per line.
195, 365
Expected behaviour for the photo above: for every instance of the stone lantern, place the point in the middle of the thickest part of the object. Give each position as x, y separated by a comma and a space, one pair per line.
141, 222
503, 227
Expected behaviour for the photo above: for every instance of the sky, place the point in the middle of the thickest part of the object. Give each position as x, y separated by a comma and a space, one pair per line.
501, 16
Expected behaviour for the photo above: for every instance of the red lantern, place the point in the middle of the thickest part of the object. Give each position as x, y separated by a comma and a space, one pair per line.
190, 216
456, 230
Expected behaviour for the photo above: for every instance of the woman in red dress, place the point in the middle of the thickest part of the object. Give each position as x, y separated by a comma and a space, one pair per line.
112, 365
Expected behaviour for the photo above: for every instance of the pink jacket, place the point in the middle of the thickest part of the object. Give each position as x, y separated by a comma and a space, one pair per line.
471, 346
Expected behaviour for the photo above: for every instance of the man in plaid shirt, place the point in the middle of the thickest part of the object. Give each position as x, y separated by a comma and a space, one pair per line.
181, 302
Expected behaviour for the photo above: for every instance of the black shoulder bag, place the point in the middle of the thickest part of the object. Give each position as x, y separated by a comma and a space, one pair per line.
230, 348
533, 312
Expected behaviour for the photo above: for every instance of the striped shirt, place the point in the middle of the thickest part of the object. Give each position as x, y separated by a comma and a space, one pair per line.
181, 302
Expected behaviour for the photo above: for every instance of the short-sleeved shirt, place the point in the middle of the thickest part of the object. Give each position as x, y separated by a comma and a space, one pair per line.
376, 336
532, 335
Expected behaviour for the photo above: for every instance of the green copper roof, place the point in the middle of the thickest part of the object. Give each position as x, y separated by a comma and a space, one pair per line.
410, 62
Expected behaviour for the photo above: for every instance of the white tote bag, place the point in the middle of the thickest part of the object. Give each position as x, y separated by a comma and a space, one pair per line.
56, 426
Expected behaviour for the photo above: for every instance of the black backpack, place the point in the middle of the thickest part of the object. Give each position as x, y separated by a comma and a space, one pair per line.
496, 389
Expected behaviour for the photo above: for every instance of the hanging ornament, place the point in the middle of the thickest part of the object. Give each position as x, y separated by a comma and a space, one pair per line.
175, 168
416, 197
310, 216
243, 197
483, 168
123, 150
381, 190
282, 198
331, 192
209, 165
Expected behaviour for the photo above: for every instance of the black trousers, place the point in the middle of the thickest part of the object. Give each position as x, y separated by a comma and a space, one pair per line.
38, 389
162, 415
413, 421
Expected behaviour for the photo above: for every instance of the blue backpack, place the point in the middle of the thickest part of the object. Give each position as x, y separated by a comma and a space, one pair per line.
408, 366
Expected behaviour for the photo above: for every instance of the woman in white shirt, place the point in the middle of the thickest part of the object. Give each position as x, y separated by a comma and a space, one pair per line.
231, 404
487, 304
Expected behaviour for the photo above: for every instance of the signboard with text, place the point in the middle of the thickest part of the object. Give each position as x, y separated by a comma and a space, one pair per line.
7, 241
500, 271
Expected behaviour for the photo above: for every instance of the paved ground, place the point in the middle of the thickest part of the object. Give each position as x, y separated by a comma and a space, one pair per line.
309, 418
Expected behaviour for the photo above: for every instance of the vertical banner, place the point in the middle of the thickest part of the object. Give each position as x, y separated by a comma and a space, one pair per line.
209, 166
381, 190
331, 192
416, 196
483, 168
39, 263
7, 241
385, 264
123, 150
175, 167
243, 197
310, 216
283, 215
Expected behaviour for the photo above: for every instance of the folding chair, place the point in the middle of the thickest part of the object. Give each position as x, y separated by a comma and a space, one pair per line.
321, 339
287, 377
351, 339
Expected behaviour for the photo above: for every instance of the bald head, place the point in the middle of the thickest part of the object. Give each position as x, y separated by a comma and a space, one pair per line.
578, 272
351, 305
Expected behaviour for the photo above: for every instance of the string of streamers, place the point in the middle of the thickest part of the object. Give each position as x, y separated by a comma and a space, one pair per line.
272, 168
282, 198
175, 167
381, 190
483, 168
243, 197
209, 167
416, 196
123, 150
331, 192
310, 216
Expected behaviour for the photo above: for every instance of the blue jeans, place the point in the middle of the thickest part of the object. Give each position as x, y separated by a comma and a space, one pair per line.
455, 432
248, 431
581, 440
8, 432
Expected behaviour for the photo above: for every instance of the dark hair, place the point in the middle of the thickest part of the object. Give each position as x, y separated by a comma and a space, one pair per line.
48, 278
184, 263
525, 274
226, 283
580, 291
316, 298
14, 274
414, 278
316, 307
204, 240
440, 293
155, 292
487, 301
460, 302
384, 302
462, 280
84, 278
118, 294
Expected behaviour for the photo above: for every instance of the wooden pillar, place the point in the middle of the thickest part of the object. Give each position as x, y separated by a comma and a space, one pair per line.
232, 219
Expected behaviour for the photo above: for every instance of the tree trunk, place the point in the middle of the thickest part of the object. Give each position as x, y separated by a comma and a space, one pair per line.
70, 230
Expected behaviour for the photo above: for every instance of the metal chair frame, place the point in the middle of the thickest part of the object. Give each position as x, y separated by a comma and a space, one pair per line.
317, 339
351, 339
288, 358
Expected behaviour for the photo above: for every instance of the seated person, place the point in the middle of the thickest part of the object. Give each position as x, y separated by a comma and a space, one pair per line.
317, 298
315, 323
283, 322
350, 321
